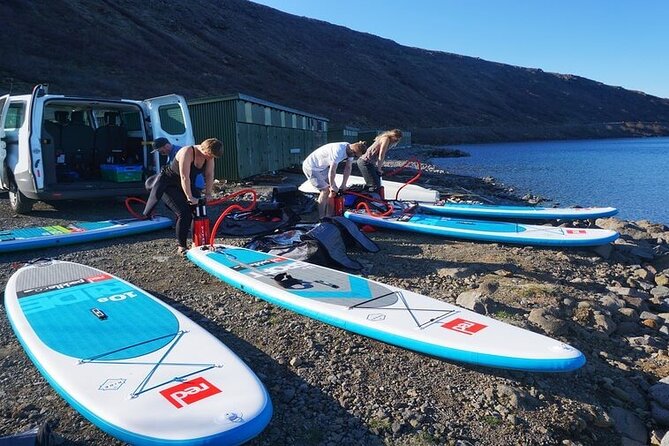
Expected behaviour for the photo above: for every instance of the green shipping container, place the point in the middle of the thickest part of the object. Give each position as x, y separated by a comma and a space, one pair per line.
258, 136
346, 133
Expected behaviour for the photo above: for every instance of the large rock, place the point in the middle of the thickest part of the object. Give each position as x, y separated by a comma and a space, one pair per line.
629, 229
626, 291
547, 321
612, 303
659, 392
604, 323
660, 292
473, 300
659, 413
629, 425
517, 398
661, 280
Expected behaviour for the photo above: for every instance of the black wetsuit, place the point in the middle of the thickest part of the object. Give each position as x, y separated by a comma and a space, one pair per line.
168, 188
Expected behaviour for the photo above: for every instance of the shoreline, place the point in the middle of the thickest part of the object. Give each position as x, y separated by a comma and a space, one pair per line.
331, 387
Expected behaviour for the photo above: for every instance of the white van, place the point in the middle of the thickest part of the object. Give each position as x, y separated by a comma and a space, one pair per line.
55, 147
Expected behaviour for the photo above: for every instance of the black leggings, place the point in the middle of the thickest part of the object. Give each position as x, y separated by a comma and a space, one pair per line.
175, 199
370, 173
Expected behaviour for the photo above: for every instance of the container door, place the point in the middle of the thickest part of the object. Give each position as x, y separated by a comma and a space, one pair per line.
4, 106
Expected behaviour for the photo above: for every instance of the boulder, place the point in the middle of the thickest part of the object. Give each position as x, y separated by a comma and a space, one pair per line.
473, 300
629, 425
542, 318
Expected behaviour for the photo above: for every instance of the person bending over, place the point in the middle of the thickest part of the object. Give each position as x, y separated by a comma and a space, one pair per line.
320, 168
371, 163
175, 185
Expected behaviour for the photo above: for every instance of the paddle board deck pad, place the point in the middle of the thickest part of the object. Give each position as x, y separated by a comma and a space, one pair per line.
519, 212
488, 231
385, 313
133, 366
410, 192
79, 232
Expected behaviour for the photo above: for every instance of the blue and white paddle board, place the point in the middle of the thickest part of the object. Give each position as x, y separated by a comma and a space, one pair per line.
488, 231
408, 192
133, 366
473, 210
389, 314
79, 232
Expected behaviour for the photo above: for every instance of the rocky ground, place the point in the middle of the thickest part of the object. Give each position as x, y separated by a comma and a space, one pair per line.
331, 387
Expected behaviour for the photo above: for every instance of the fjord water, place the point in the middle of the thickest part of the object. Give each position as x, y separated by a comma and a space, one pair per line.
629, 174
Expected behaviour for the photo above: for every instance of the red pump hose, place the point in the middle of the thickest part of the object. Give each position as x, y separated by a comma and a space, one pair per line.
230, 209
365, 206
227, 211
128, 206
412, 180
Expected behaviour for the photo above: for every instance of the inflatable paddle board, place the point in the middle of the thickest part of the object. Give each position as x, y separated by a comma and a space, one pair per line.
519, 212
79, 232
487, 231
133, 366
410, 192
386, 313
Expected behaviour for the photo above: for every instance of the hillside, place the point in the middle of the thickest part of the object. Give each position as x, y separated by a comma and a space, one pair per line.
205, 47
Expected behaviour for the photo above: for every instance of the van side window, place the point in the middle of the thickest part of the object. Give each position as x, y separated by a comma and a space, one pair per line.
15, 115
171, 119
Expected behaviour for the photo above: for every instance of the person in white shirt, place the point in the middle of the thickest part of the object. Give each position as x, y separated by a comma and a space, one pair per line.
320, 168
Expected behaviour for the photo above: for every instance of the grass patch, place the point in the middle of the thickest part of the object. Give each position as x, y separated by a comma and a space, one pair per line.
536, 290
502, 314
379, 424
491, 420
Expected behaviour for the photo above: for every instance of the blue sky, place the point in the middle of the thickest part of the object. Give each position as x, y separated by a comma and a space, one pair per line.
617, 42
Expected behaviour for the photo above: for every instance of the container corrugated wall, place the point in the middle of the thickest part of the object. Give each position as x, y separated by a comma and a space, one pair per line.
258, 136
348, 134
218, 119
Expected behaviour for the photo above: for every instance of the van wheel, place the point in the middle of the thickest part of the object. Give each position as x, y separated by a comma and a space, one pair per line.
18, 202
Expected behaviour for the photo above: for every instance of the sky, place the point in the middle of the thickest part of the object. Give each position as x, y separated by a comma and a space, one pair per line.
618, 42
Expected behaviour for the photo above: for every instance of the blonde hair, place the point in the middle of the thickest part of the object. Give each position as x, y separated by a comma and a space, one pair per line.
212, 147
360, 147
394, 133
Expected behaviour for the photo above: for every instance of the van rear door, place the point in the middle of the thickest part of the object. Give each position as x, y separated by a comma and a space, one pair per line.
4, 106
170, 119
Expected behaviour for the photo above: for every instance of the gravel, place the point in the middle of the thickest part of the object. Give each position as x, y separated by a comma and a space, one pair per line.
332, 387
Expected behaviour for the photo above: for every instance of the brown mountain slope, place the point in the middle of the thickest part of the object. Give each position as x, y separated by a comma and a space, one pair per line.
208, 47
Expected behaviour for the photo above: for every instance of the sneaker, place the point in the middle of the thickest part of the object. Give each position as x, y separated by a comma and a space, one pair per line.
182, 250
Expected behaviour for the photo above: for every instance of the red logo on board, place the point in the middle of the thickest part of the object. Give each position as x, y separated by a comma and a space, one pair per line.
464, 326
576, 231
189, 392
99, 278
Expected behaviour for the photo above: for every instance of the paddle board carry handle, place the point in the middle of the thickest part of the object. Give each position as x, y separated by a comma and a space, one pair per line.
288, 281
40, 261
99, 313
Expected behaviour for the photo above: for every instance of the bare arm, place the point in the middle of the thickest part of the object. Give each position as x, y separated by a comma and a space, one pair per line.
209, 179
383, 150
185, 158
347, 172
332, 172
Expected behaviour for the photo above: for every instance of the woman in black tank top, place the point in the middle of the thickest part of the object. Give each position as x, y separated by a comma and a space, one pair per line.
176, 184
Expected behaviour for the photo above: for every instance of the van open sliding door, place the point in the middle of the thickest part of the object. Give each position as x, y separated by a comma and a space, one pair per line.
4, 106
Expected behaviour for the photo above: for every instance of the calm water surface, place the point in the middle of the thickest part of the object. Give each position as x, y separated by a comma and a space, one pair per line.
629, 174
